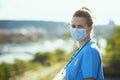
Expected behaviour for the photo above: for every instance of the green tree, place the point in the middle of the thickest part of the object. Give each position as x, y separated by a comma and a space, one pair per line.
6, 71
67, 35
44, 58
19, 66
60, 54
112, 57
2, 73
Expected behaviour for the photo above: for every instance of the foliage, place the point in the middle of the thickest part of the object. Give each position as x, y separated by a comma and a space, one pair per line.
18, 38
60, 55
47, 58
11, 70
113, 53
67, 35
43, 58
40, 59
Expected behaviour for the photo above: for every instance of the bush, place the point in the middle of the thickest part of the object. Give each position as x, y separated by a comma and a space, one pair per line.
112, 54
43, 58
60, 55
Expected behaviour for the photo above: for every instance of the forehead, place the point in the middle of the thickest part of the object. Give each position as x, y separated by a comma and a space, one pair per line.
79, 21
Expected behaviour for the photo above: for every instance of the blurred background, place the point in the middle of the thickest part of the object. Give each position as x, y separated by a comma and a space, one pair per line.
35, 41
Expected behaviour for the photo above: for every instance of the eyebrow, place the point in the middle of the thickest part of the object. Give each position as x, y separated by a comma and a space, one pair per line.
77, 25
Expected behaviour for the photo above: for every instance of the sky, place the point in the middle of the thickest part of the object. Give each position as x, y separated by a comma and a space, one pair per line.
59, 10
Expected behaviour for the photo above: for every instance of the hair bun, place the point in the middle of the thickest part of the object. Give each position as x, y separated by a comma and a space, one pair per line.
85, 9
89, 11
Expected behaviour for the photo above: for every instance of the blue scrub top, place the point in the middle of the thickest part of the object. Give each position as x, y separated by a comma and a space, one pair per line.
86, 64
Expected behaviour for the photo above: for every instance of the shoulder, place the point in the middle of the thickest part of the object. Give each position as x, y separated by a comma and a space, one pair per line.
92, 49
92, 46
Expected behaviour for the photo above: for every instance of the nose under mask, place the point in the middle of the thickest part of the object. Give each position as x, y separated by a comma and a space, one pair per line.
78, 34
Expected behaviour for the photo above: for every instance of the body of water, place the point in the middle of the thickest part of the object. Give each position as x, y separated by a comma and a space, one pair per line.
25, 51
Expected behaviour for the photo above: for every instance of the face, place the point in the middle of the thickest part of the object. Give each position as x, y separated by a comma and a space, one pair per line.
80, 22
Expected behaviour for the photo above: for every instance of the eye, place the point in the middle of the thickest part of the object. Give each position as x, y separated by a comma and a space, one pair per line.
73, 26
80, 26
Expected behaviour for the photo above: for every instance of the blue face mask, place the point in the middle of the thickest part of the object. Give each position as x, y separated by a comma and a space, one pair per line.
78, 34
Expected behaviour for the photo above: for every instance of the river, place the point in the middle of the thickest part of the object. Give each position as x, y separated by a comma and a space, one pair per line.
12, 51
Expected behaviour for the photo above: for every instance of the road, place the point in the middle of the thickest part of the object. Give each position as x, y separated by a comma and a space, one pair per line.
40, 74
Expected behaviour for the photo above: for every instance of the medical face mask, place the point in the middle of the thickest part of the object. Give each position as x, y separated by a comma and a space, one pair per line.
78, 34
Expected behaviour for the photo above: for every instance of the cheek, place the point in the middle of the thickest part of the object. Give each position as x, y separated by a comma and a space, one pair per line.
88, 31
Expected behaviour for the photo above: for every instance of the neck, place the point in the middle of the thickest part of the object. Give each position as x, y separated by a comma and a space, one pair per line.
81, 43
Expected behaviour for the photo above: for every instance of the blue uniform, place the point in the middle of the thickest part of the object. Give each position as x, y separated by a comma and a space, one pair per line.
86, 64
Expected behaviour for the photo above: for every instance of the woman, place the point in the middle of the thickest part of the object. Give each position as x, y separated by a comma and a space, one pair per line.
86, 64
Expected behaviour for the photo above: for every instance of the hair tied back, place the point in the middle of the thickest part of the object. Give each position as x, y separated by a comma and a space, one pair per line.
85, 9
89, 11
